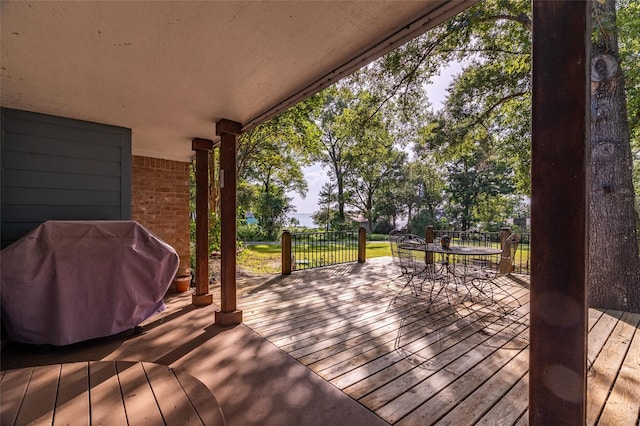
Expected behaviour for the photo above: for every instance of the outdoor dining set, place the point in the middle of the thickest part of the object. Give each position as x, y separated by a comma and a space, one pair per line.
458, 273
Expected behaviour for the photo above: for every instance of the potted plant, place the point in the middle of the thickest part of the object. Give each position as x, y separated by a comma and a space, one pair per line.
182, 281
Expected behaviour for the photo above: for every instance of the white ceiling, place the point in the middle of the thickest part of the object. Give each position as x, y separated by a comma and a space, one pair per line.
170, 70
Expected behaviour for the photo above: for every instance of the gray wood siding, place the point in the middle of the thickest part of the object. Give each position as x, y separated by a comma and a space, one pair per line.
56, 168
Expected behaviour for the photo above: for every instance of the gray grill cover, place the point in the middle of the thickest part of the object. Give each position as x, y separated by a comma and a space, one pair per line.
69, 281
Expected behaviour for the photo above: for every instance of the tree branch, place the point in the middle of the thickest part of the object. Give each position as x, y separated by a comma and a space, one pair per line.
522, 19
407, 76
500, 101
511, 52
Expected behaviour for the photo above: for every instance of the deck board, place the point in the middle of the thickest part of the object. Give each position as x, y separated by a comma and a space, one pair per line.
106, 399
484, 397
456, 363
468, 373
173, 402
603, 372
105, 393
600, 332
72, 402
621, 407
139, 401
10, 403
510, 407
40, 398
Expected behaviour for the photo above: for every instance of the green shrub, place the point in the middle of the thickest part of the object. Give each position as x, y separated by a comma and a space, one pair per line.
251, 233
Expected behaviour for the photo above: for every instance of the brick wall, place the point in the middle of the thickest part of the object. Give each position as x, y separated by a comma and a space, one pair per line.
160, 201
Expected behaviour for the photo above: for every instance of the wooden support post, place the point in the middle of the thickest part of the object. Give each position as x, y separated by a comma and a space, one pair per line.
428, 236
202, 147
362, 245
228, 132
504, 267
559, 211
505, 231
286, 253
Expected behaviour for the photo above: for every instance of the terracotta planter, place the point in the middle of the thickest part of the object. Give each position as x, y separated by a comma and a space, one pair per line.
182, 283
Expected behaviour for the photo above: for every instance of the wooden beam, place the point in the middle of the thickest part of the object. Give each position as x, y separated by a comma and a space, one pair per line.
202, 147
228, 127
559, 211
201, 144
228, 132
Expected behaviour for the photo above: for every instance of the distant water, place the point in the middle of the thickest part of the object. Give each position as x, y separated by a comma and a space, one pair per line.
304, 219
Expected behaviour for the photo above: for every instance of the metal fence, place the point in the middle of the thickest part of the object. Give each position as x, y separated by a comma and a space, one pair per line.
316, 249
522, 262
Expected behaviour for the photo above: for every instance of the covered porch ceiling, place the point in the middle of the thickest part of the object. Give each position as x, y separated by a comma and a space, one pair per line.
170, 70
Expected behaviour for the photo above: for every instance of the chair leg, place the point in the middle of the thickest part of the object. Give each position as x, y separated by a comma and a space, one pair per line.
442, 288
409, 284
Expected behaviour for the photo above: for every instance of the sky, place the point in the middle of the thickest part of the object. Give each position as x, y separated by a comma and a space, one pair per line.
317, 177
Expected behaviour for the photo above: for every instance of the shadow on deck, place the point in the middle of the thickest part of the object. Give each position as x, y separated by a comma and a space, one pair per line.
330, 346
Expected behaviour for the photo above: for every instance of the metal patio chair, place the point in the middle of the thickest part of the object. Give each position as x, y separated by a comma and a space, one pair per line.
482, 280
409, 252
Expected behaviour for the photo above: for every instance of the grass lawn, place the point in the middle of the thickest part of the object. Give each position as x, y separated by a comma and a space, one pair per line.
260, 259
266, 258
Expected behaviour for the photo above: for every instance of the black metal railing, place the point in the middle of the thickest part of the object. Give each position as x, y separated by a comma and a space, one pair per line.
522, 261
316, 249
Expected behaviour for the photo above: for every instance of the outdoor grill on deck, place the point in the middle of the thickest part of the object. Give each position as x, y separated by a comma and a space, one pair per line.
69, 281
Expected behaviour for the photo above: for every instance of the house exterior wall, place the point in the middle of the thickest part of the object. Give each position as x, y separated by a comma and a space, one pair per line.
160, 201
57, 168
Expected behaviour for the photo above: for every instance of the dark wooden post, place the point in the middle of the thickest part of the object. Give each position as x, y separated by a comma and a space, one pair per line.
505, 231
202, 147
559, 211
362, 245
228, 313
504, 267
428, 236
286, 253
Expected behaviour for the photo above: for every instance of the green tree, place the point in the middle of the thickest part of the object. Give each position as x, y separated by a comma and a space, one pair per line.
271, 210
389, 206
628, 24
374, 161
420, 192
474, 182
337, 123
270, 159
490, 101
326, 216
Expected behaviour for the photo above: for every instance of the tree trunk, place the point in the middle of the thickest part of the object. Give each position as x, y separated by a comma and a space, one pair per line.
614, 259
340, 184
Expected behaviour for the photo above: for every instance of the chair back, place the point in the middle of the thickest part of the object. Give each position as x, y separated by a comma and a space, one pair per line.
404, 257
509, 254
408, 245
393, 243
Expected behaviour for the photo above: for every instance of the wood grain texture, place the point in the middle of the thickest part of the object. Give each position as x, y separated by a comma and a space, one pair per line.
560, 148
107, 405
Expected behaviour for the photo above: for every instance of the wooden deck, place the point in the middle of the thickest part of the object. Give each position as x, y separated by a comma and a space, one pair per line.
459, 363
463, 363
105, 392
